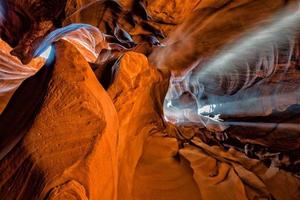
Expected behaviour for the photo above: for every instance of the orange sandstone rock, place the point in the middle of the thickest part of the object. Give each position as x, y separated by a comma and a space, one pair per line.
73, 139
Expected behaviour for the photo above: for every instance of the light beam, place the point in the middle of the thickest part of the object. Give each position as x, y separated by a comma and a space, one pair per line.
238, 80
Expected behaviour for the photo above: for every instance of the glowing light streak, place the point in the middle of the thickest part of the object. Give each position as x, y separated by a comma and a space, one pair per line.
46, 53
234, 64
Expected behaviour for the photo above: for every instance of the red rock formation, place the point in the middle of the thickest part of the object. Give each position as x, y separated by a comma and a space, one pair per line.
82, 128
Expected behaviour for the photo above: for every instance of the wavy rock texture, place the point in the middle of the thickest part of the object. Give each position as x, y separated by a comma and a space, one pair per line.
159, 162
13, 72
80, 130
211, 26
49, 156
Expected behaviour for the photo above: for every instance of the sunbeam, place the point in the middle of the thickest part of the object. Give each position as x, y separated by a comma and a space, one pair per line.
239, 81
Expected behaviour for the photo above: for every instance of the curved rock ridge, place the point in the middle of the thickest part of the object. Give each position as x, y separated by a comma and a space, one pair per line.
92, 124
80, 149
53, 152
182, 170
69, 190
13, 72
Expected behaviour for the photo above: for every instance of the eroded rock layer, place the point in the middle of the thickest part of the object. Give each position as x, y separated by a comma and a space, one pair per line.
91, 125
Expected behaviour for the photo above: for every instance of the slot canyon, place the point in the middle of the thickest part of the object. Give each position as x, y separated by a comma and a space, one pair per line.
149, 99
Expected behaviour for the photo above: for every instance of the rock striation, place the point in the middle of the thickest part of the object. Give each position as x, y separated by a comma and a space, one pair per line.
91, 124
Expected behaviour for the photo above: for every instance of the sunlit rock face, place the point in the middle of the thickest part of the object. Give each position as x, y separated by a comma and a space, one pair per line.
53, 152
259, 72
13, 72
138, 99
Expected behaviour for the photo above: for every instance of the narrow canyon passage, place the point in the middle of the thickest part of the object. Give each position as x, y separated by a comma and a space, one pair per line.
155, 100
